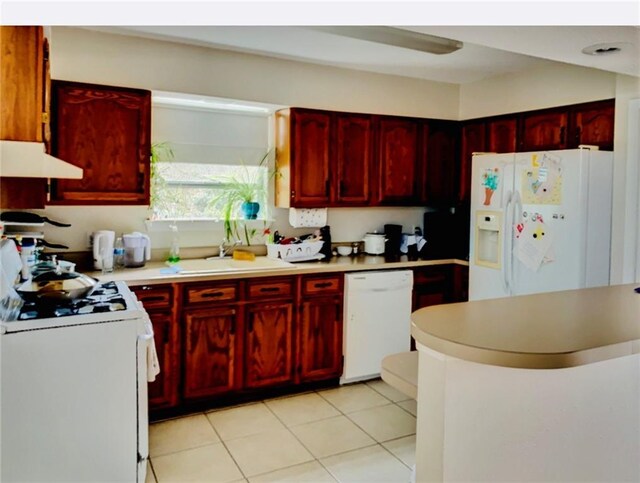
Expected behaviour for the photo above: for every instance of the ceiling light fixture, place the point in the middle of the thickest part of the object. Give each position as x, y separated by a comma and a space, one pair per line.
396, 37
603, 49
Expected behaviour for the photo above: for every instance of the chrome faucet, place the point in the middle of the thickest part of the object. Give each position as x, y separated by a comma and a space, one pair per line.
225, 248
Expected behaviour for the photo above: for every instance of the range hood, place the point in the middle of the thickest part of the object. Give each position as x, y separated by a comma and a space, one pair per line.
23, 159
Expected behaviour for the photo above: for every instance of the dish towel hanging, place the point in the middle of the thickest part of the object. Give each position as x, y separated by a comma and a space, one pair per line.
153, 364
307, 217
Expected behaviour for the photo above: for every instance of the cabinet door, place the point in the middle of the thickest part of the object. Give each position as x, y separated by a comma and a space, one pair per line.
594, 125
269, 344
501, 135
472, 141
353, 158
22, 104
105, 131
163, 392
440, 151
543, 131
431, 286
321, 338
397, 160
310, 144
209, 346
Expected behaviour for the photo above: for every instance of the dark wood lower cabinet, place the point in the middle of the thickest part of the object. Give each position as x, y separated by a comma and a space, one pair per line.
320, 328
209, 351
163, 392
269, 344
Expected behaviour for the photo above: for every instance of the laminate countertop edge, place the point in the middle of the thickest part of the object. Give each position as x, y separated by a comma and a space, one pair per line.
543, 331
150, 274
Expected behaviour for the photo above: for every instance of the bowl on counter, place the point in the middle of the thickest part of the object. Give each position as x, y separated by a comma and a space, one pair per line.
344, 250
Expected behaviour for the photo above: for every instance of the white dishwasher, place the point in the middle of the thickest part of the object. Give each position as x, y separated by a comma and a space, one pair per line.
377, 316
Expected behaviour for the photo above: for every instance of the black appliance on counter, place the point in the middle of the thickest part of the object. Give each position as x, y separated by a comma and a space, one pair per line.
446, 231
393, 234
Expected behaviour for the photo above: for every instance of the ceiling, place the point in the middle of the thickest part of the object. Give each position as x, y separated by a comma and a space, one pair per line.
487, 51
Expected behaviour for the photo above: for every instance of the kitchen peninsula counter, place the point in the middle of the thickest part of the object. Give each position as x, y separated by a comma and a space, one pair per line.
152, 273
541, 387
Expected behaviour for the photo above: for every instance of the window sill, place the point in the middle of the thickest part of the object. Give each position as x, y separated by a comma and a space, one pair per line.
199, 224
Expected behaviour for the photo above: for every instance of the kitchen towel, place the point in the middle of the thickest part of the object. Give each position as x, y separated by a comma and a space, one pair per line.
307, 217
153, 365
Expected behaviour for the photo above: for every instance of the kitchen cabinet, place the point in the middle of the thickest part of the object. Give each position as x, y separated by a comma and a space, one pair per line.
544, 130
501, 135
160, 303
104, 130
303, 158
431, 286
24, 77
397, 161
210, 355
320, 328
354, 159
438, 162
269, 344
594, 124
472, 140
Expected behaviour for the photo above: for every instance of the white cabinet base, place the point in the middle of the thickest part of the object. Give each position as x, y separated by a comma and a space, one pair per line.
478, 422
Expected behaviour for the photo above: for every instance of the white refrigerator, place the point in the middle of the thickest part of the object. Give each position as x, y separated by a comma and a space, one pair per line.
540, 222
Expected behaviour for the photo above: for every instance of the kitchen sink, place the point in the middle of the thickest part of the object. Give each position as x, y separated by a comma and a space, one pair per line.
203, 266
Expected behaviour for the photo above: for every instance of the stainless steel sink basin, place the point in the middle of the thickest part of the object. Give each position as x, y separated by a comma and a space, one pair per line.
202, 266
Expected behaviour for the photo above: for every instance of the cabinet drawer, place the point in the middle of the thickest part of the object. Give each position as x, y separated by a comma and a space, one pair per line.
270, 288
154, 297
322, 285
434, 275
211, 293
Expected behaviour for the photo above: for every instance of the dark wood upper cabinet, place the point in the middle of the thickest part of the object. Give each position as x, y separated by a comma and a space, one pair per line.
209, 346
353, 160
501, 135
106, 131
23, 79
472, 140
594, 125
544, 130
397, 161
439, 162
268, 354
303, 143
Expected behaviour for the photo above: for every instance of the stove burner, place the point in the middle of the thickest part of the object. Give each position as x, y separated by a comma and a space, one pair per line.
104, 298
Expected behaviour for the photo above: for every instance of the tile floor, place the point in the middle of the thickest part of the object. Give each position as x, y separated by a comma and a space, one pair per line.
358, 433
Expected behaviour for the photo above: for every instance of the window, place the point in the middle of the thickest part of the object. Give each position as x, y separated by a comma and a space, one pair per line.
199, 145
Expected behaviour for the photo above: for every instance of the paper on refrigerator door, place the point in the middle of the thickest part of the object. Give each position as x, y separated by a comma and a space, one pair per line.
541, 183
491, 180
534, 244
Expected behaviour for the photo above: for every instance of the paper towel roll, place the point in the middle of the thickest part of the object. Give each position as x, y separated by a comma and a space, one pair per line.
307, 217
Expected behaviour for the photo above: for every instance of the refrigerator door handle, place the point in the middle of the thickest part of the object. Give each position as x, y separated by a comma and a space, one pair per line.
516, 218
506, 242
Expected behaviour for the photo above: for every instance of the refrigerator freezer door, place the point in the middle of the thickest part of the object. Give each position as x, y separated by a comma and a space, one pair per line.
491, 186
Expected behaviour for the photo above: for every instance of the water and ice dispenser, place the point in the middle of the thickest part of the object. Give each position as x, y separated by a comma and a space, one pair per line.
488, 239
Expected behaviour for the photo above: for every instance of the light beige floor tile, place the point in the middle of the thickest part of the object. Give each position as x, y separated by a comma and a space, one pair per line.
244, 421
302, 409
331, 436
404, 449
267, 451
387, 391
180, 434
150, 477
353, 398
311, 472
411, 405
373, 464
210, 463
385, 422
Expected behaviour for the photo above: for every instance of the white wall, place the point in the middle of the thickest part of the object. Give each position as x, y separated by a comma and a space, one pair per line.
87, 56
538, 88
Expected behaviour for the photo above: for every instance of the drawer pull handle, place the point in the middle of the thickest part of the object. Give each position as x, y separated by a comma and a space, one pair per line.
209, 295
322, 284
146, 287
153, 298
270, 289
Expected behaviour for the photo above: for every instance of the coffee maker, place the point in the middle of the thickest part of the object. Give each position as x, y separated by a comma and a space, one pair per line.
393, 234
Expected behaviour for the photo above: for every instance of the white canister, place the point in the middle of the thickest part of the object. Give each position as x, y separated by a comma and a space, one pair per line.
103, 250
374, 243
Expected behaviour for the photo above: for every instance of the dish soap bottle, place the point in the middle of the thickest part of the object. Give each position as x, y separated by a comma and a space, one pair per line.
174, 251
